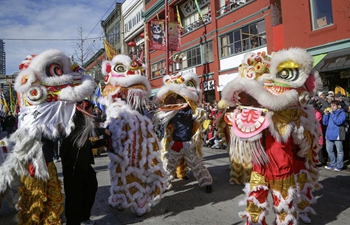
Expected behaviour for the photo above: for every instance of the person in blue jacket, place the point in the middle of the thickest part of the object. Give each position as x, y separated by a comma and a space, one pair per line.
335, 118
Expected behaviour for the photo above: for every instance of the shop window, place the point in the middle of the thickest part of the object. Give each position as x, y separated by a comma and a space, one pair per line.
158, 69
225, 47
193, 56
243, 39
237, 42
209, 96
113, 36
321, 13
208, 52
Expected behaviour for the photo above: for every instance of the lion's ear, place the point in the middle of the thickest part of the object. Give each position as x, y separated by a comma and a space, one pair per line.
106, 67
166, 78
24, 80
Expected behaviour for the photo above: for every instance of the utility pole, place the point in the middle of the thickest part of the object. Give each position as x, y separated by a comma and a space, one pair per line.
166, 38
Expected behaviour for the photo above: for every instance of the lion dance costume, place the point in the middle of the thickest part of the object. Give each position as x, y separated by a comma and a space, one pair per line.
188, 150
278, 131
138, 178
253, 67
48, 89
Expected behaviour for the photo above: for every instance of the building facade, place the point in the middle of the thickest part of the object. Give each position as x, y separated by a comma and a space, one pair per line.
2, 58
133, 38
215, 37
113, 27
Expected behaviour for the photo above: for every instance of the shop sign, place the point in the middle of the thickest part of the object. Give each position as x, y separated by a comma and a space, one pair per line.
208, 85
187, 71
190, 7
345, 74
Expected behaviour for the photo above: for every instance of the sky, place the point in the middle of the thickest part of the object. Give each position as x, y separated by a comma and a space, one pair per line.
23, 21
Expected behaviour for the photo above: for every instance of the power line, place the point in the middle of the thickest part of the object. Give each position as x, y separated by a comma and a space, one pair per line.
59, 39
89, 48
46, 39
101, 19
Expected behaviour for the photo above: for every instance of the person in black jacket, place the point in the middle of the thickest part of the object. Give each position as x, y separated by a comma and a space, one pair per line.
79, 177
10, 123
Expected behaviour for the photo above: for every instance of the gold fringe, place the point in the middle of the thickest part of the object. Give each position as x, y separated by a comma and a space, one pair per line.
41, 202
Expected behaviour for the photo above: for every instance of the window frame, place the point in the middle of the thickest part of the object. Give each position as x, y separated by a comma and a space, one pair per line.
315, 20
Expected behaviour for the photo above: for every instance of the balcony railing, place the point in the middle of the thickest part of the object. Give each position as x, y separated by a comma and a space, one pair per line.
195, 25
233, 5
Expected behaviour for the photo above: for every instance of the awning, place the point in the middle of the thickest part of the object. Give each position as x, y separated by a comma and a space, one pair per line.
337, 60
318, 58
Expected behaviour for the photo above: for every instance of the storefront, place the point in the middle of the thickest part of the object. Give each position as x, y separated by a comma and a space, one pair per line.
209, 91
334, 69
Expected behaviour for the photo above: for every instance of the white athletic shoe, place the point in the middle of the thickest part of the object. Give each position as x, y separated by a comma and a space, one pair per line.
88, 222
304, 218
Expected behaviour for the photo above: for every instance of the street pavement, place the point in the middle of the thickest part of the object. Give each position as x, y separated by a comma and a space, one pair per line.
186, 203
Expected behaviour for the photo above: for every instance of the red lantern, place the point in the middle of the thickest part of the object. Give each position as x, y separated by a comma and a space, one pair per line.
142, 35
131, 44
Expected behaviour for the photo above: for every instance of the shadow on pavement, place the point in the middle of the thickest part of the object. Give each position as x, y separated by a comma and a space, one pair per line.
332, 200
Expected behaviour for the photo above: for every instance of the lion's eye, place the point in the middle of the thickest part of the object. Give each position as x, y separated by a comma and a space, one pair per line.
288, 74
191, 83
120, 68
53, 70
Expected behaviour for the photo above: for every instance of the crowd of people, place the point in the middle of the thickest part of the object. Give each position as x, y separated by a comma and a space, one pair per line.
332, 112
9, 123
211, 138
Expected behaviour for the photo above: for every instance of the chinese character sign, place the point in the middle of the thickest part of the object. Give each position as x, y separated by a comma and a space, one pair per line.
191, 6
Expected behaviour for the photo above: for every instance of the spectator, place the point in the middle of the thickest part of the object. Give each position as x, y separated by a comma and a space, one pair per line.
210, 136
335, 135
99, 116
10, 123
322, 99
339, 97
330, 98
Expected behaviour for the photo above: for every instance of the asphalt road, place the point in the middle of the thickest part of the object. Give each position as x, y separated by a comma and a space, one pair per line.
187, 203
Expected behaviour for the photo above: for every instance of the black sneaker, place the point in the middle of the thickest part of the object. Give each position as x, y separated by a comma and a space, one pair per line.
208, 189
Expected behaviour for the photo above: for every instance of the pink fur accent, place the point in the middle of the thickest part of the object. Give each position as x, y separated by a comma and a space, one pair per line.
108, 68
310, 83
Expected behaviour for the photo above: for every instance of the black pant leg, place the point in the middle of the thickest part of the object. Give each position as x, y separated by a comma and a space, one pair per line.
73, 186
89, 192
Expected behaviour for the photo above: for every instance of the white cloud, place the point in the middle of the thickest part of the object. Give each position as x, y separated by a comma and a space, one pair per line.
50, 19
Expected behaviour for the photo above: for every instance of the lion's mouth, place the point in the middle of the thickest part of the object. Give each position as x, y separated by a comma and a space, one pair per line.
173, 101
137, 86
245, 99
110, 89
